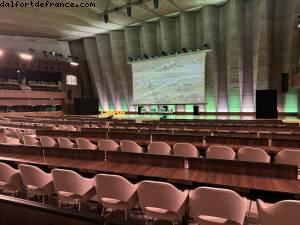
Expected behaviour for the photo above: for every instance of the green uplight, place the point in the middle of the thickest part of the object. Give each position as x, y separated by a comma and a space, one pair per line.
291, 102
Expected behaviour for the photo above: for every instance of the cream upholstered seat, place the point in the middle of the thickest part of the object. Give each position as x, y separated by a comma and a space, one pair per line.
288, 156
85, 144
30, 140
72, 187
47, 141
185, 150
71, 128
215, 206
220, 152
162, 200
281, 213
10, 179
115, 192
65, 143
108, 145
160, 148
9, 140
130, 146
62, 127
251, 154
36, 181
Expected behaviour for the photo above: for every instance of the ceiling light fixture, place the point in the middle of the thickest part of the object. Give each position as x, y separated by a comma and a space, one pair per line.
74, 63
127, 7
105, 16
156, 3
25, 56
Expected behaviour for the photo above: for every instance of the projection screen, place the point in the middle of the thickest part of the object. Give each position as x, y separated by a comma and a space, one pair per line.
176, 79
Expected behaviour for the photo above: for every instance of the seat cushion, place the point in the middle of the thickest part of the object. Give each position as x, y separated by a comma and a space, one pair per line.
162, 214
212, 220
156, 210
69, 197
35, 190
110, 200
115, 204
7, 187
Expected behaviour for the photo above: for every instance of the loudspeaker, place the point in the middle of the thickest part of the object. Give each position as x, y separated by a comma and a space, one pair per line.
86, 106
266, 104
140, 109
196, 110
285, 82
69, 94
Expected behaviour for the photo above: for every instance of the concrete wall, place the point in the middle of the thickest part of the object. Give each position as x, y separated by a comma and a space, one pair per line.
252, 43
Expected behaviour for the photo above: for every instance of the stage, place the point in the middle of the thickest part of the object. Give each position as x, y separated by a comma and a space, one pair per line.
285, 118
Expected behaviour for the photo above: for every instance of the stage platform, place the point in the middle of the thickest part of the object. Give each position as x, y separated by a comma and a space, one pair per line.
288, 119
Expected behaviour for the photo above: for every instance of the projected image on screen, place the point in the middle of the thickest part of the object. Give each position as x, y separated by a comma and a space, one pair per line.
177, 79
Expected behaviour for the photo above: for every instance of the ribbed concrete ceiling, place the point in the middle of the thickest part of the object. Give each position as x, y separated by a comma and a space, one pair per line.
74, 23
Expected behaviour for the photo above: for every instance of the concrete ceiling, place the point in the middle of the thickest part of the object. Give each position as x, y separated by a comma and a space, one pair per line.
75, 23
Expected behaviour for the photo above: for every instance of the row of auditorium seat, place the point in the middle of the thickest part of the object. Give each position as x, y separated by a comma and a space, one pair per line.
250, 154
158, 200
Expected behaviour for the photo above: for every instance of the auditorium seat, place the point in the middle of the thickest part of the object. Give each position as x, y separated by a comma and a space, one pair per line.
130, 146
71, 128
72, 187
108, 145
54, 127
62, 127
10, 179
281, 213
160, 148
251, 154
47, 142
36, 181
215, 206
185, 150
94, 126
289, 156
85, 144
220, 152
162, 200
8, 140
30, 140
115, 192
65, 143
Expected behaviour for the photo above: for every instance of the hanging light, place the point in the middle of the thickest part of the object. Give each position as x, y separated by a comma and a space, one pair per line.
156, 3
105, 16
128, 9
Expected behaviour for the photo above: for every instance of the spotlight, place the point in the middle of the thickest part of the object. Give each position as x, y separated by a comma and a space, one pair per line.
145, 56
105, 16
163, 53
205, 46
74, 64
128, 9
25, 56
156, 3
1, 52
184, 50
